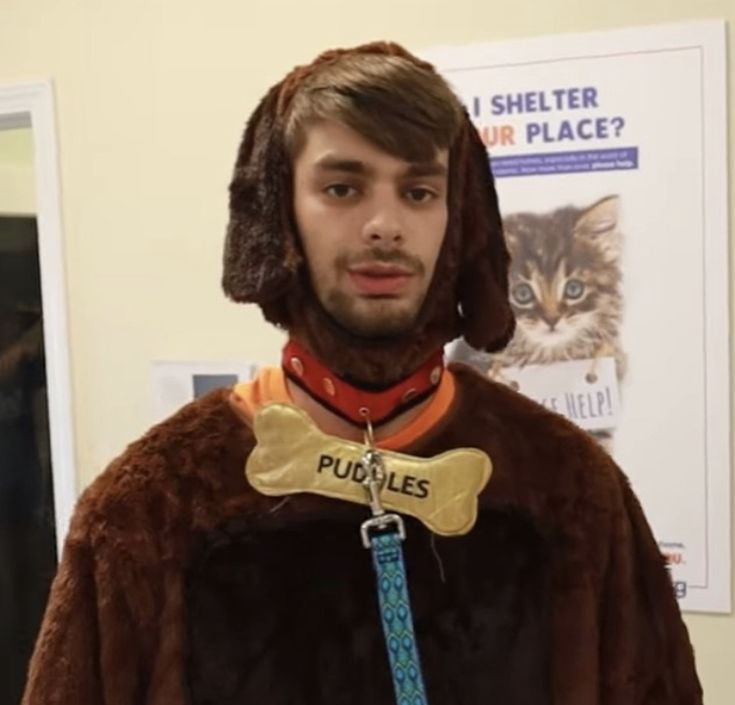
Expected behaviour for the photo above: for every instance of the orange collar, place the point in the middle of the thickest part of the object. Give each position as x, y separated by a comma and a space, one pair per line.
358, 404
270, 386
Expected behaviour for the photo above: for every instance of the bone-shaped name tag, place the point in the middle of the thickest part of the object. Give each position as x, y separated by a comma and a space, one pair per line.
292, 455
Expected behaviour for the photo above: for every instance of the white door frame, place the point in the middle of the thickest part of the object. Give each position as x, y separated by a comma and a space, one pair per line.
31, 105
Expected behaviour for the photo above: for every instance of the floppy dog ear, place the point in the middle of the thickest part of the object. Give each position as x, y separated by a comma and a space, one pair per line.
261, 255
488, 321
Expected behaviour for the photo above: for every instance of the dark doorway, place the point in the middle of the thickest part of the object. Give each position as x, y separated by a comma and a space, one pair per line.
27, 525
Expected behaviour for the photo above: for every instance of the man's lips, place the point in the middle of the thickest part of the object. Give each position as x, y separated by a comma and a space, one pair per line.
379, 279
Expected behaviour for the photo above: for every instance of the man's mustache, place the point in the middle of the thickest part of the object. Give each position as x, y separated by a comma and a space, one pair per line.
376, 254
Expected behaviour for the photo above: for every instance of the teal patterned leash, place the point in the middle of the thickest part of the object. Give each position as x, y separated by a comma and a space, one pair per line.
395, 611
384, 534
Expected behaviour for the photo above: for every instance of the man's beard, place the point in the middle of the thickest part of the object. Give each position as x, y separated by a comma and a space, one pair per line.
374, 316
378, 318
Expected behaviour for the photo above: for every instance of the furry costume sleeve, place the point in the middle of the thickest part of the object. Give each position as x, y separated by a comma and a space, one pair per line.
645, 654
67, 654
110, 623
113, 632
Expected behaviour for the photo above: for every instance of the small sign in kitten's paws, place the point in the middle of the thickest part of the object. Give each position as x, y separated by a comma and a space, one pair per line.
585, 391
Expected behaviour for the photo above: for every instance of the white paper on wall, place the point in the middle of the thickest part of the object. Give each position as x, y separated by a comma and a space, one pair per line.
614, 143
175, 384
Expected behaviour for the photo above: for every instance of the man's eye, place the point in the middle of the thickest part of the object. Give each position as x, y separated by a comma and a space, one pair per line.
340, 190
420, 195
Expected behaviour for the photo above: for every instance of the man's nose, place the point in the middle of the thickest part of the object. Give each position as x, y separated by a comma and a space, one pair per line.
383, 225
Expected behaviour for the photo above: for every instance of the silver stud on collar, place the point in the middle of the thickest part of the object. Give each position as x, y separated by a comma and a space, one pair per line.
298, 366
329, 387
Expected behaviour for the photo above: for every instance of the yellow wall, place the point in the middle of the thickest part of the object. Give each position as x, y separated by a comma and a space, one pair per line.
17, 190
151, 100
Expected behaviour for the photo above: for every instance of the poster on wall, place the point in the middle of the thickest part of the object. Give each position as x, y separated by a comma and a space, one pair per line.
610, 157
176, 383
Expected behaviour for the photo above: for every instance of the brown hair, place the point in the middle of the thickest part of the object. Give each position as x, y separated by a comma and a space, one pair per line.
399, 105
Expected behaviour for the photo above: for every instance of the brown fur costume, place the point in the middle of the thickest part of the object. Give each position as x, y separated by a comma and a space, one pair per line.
264, 259
180, 585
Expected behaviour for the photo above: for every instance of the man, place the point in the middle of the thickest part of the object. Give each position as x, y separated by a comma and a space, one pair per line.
364, 221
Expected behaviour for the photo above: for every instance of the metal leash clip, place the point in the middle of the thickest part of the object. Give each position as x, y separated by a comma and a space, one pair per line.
372, 463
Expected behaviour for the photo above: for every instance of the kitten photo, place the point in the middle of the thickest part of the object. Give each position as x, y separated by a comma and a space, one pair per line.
565, 290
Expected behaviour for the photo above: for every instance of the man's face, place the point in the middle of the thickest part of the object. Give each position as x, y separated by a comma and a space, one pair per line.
371, 225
